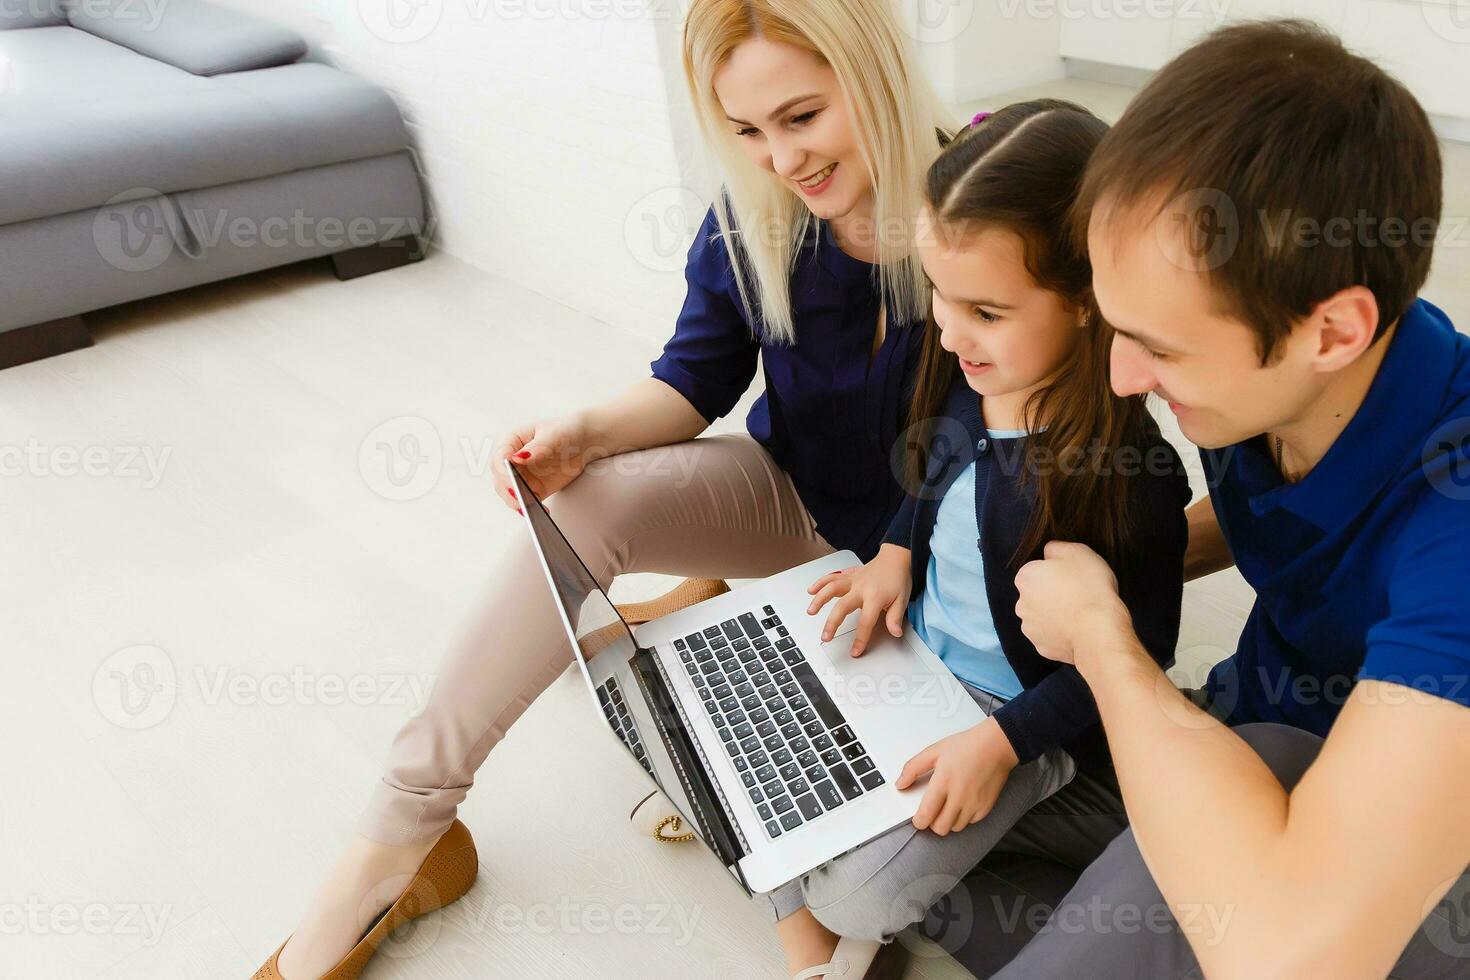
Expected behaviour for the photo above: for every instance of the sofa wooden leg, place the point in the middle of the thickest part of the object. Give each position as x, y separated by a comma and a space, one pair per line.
376, 258
40, 340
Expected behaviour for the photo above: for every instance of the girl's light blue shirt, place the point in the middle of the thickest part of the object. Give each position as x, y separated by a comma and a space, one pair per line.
952, 617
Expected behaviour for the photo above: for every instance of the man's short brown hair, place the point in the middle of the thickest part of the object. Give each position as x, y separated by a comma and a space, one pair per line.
1303, 168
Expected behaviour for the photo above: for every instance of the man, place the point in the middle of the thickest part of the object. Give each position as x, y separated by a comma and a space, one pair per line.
1260, 223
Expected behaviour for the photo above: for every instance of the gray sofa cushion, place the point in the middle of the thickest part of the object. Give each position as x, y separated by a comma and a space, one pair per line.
198, 37
92, 122
73, 263
19, 15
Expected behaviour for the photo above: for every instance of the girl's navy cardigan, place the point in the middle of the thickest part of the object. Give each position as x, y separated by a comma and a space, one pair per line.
1055, 709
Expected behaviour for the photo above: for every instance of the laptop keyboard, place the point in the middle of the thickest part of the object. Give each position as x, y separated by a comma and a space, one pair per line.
610, 696
791, 745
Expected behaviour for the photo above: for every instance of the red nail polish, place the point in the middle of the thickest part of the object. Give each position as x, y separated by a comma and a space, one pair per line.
523, 455
513, 492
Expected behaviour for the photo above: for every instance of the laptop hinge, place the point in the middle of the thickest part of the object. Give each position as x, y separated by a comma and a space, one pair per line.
711, 808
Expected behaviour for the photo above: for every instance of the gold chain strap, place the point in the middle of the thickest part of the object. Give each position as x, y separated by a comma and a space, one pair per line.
673, 823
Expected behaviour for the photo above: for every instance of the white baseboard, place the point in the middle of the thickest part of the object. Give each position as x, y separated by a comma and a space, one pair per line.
994, 85
1096, 71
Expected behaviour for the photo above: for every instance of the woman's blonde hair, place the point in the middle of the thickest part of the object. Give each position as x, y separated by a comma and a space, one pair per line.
894, 110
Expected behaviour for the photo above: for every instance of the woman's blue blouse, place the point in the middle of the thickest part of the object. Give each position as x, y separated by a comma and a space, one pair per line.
831, 410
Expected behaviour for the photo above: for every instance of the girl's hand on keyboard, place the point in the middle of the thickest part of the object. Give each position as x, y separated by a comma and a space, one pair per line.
881, 586
970, 769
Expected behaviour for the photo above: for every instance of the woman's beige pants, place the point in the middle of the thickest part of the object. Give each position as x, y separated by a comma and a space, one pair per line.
715, 507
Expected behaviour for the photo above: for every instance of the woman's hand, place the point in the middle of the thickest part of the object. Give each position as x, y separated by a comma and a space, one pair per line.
882, 585
970, 769
549, 454
553, 452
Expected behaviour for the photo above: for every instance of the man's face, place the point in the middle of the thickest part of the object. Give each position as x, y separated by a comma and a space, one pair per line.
1173, 341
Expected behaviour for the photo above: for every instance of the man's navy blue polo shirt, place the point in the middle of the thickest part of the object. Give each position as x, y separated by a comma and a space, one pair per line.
1362, 569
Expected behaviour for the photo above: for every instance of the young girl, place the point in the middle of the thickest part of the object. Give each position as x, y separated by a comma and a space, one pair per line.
1019, 440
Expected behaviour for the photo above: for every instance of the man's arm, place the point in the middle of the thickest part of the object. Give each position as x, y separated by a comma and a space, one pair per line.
1207, 552
1331, 879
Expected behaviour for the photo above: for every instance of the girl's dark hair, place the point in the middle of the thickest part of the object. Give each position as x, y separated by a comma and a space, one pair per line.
1020, 170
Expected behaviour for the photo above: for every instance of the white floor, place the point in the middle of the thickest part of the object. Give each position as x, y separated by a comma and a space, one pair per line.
205, 661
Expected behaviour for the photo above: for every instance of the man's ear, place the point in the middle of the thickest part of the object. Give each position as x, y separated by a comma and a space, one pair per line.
1345, 325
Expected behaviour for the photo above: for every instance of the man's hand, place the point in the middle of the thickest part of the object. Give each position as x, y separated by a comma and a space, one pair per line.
1070, 587
970, 769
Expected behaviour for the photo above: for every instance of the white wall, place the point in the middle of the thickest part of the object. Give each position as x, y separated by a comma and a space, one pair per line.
554, 135
1425, 43
975, 48
556, 139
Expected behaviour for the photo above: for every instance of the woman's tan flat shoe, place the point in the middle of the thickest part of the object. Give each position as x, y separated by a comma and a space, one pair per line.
681, 596
446, 874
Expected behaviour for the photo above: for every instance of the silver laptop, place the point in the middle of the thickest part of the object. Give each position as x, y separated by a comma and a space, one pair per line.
780, 751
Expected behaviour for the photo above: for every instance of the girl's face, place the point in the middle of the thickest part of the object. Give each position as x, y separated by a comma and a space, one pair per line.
789, 114
1009, 334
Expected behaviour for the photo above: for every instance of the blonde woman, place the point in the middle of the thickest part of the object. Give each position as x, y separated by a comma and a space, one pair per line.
825, 129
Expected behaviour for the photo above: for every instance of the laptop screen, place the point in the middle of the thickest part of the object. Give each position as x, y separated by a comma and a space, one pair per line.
599, 628
600, 631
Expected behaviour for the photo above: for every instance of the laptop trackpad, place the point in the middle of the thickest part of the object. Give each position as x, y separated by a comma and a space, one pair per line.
849, 624
885, 654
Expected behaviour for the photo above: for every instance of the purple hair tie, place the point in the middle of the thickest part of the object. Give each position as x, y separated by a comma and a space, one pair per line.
980, 117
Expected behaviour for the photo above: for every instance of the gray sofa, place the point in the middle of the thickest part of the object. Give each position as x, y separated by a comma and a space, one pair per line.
149, 147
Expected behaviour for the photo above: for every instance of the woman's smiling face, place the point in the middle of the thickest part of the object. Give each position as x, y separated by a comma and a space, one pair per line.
1009, 334
788, 111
